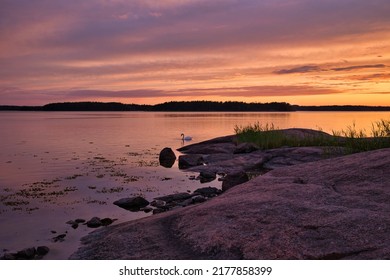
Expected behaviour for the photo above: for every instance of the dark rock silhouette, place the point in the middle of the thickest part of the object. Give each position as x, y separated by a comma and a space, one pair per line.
167, 157
31, 253
187, 161
94, 222
132, 203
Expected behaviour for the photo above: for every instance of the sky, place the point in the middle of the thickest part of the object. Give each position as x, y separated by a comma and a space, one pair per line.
305, 52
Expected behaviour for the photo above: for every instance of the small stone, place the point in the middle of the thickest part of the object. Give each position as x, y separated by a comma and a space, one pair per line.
147, 209
95, 222
42, 250
79, 221
106, 221
132, 203
299, 180
26, 254
198, 199
208, 191
185, 203
166, 179
174, 197
186, 161
158, 203
75, 225
59, 238
207, 176
8, 256
158, 210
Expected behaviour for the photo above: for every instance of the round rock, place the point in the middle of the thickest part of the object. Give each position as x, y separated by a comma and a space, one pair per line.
132, 203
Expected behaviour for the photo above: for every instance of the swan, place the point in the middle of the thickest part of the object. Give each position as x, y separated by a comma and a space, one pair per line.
185, 138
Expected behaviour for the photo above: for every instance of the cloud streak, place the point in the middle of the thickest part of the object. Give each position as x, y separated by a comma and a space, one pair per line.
358, 67
300, 69
316, 68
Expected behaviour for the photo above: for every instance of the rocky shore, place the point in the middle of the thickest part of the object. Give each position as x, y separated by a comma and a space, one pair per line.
306, 203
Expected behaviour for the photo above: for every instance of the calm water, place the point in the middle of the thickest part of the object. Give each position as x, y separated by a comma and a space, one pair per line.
58, 166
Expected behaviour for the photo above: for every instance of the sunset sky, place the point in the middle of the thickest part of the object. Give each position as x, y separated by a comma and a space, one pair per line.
305, 52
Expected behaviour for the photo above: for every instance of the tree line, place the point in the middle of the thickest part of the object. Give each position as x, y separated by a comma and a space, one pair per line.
190, 106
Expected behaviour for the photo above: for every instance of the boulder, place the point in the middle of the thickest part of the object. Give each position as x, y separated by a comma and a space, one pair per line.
42, 250
59, 238
158, 211
158, 203
75, 225
207, 176
174, 197
30, 253
208, 191
26, 254
107, 221
95, 222
167, 157
198, 199
187, 161
185, 203
8, 256
132, 203
147, 209
234, 179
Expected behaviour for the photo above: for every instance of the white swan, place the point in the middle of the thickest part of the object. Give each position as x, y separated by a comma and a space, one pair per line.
185, 138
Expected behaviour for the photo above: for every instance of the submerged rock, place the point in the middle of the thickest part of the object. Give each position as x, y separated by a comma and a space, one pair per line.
132, 203
30, 253
187, 161
158, 203
107, 221
26, 254
207, 176
42, 250
95, 222
174, 197
208, 191
198, 199
59, 238
158, 211
147, 209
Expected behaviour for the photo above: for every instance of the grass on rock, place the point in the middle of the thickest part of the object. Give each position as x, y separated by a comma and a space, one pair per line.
354, 140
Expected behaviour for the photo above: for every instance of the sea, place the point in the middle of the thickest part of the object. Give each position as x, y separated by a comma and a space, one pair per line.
56, 167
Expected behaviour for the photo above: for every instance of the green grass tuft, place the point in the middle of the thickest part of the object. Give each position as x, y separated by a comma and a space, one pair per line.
352, 139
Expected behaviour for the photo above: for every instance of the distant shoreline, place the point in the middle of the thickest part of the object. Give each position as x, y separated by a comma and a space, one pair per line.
191, 106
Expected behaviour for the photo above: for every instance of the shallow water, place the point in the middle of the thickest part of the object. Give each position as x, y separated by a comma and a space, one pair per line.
60, 166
